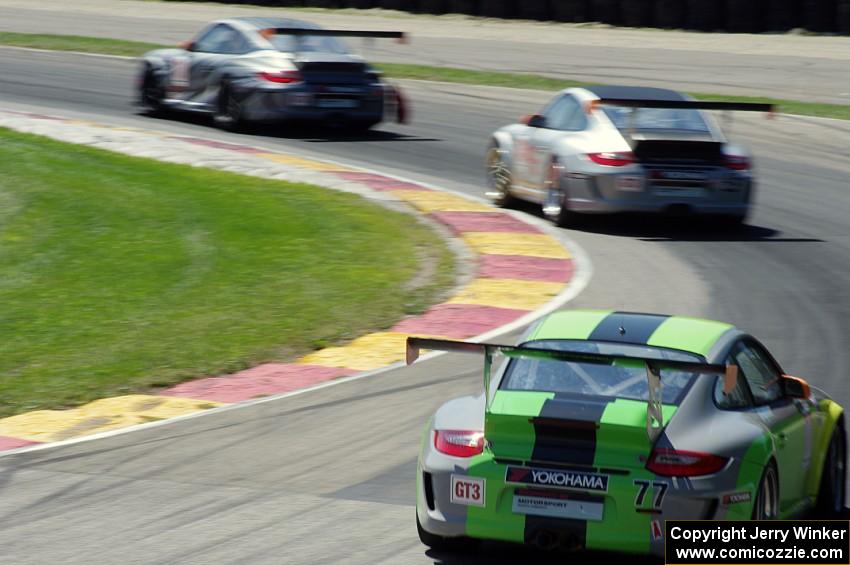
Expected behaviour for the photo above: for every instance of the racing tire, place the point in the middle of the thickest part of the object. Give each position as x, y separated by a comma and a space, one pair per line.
151, 93
228, 110
766, 505
440, 543
833, 492
499, 177
556, 207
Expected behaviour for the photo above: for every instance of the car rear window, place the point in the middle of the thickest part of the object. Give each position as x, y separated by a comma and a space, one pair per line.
307, 43
614, 381
656, 119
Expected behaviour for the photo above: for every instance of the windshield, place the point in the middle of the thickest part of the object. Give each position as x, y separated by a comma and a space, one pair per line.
619, 380
307, 43
656, 119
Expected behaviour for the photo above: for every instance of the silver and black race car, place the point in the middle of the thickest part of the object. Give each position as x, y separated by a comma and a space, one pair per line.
623, 149
601, 425
268, 70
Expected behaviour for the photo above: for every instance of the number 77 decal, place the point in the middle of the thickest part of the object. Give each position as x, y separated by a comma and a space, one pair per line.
659, 489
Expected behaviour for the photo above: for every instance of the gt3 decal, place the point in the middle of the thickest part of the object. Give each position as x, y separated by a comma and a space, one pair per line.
468, 491
557, 478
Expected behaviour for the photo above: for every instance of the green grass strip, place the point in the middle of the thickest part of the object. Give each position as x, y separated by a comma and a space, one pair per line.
119, 273
105, 46
420, 72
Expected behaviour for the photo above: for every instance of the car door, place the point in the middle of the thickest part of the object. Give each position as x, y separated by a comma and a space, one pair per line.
788, 421
563, 120
209, 52
531, 142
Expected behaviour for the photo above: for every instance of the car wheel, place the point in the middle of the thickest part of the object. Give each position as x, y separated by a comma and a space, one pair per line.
498, 177
441, 543
151, 93
832, 493
556, 207
228, 111
766, 506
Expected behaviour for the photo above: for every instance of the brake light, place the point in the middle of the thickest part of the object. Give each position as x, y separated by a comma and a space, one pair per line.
281, 77
677, 463
459, 443
616, 159
736, 162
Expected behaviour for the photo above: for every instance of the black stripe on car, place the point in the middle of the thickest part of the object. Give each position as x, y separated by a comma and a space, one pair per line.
625, 327
565, 430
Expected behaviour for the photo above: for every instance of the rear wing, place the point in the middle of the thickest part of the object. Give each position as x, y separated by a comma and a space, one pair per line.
399, 35
684, 105
654, 417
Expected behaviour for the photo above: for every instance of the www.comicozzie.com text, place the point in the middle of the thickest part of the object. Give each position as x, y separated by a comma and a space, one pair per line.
756, 533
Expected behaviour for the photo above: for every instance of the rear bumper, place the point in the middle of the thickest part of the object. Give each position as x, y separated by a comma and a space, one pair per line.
295, 104
723, 193
624, 528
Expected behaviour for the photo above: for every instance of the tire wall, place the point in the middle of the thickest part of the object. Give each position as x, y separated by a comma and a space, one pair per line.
744, 16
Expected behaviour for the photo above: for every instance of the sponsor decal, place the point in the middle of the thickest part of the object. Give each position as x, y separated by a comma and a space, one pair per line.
736, 497
557, 507
557, 478
468, 491
657, 530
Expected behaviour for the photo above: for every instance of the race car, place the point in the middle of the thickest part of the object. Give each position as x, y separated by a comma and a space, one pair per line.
270, 70
601, 425
606, 149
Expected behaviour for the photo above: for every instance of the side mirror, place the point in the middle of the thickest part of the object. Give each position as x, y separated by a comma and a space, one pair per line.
535, 121
188, 45
795, 387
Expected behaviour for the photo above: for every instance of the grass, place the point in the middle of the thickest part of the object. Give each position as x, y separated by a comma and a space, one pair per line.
540, 82
118, 273
419, 72
80, 43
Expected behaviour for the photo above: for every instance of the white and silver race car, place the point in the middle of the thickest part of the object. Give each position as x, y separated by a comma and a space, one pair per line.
623, 149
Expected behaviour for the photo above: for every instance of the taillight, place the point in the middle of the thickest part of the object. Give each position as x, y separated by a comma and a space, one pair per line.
459, 443
617, 159
676, 463
281, 77
736, 162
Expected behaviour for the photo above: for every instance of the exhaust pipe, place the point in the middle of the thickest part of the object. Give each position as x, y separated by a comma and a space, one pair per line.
546, 540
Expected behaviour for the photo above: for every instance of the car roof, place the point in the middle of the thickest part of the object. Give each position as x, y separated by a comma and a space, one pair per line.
266, 23
635, 92
694, 335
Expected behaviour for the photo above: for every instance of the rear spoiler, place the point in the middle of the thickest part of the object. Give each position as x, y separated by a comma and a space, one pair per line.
683, 105
399, 35
654, 417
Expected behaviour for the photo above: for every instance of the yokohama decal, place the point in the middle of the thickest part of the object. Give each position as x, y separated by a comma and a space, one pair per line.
557, 478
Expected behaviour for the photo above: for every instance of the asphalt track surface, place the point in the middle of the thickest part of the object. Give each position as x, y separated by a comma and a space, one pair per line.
328, 476
777, 65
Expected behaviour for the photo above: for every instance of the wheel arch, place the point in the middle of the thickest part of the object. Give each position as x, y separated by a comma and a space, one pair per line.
834, 417
504, 142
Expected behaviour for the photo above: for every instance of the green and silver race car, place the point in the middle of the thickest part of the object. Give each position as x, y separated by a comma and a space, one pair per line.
601, 425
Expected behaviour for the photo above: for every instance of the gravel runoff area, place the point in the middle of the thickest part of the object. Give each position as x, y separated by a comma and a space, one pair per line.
459, 26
